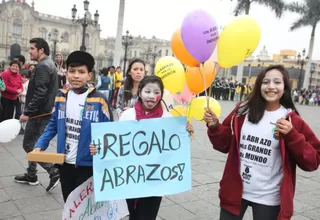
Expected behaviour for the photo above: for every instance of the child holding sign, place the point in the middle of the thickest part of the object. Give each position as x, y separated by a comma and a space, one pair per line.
266, 139
75, 110
150, 94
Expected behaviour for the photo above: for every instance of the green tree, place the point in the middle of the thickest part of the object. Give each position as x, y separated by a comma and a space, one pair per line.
244, 6
309, 11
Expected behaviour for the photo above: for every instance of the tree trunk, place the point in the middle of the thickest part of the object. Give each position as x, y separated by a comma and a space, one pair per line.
306, 79
248, 7
241, 65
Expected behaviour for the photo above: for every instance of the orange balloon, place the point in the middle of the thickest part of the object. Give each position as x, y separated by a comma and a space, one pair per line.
180, 52
195, 79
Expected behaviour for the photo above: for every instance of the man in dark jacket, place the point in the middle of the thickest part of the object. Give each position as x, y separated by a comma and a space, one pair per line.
42, 89
233, 87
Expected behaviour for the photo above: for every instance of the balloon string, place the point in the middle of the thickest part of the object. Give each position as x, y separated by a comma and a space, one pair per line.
188, 109
185, 106
177, 112
204, 82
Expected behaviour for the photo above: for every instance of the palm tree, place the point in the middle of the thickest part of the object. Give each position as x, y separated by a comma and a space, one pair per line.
309, 12
244, 6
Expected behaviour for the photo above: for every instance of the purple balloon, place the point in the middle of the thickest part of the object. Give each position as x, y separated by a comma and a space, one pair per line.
199, 33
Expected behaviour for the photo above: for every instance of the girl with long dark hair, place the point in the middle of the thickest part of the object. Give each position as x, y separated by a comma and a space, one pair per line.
127, 94
266, 140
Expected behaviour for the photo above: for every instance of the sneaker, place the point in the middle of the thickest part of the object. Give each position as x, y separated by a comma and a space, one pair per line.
33, 181
54, 181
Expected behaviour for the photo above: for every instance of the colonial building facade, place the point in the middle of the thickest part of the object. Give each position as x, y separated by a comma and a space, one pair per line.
20, 22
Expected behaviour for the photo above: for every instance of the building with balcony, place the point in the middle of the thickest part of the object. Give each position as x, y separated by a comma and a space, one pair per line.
20, 22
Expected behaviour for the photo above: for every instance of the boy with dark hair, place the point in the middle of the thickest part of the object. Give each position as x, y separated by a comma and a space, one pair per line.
23, 70
75, 110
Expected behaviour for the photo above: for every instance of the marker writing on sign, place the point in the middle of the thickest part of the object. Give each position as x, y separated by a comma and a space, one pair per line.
125, 144
119, 176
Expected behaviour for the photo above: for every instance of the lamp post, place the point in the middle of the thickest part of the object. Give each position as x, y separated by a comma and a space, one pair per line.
126, 42
154, 54
302, 60
85, 21
249, 74
313, 69
54, 38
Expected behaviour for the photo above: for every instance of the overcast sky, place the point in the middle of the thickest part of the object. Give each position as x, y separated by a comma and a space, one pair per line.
162, 17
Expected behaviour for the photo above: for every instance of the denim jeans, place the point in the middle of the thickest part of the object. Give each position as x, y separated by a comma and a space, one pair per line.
33, 131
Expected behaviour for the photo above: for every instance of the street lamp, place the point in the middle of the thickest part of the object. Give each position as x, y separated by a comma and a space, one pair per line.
313, 69
85, 21
126, 42
54, 38
249, 75
302, 60
154, 54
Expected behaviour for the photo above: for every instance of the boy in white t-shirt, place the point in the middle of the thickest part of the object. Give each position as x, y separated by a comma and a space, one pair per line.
75, 109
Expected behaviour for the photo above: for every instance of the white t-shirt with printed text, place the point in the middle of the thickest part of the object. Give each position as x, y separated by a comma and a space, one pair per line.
74, 113
261, 163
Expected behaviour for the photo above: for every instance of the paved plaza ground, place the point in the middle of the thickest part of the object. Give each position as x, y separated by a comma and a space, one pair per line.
24, 202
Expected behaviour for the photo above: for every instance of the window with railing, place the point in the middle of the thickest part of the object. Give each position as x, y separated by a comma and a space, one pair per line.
43, 33
17, 27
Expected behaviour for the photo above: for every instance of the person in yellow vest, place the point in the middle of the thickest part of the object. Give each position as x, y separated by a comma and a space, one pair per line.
238, 91
245, 92
111, 71
118, 79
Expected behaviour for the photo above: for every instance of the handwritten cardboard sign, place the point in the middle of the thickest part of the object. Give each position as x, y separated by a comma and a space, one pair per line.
81, 205
141, 158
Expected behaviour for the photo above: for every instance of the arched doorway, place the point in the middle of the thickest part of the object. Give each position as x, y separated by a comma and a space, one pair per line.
15, 50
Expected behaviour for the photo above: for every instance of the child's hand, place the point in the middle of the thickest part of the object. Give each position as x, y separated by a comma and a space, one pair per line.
189, 128
37, 150
284, 126
93, 150
210, 117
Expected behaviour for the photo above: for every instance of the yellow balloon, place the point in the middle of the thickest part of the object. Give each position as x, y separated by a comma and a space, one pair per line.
238, 41
178, 111
197, 106
171, 71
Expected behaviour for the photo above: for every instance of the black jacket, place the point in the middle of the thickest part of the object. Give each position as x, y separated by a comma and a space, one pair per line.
42, 89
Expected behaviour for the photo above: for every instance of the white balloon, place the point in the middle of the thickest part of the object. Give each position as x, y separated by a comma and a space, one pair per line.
168, 99
9, 130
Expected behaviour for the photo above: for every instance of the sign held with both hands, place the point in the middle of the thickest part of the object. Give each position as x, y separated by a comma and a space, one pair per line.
141, 158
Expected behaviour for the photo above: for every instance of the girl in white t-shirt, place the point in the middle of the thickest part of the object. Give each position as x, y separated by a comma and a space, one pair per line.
266, 139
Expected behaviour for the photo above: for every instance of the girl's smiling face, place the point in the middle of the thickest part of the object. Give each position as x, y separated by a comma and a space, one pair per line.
150, 95
272, 87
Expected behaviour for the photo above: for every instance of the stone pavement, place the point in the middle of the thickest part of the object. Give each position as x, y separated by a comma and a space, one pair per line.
24, 202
